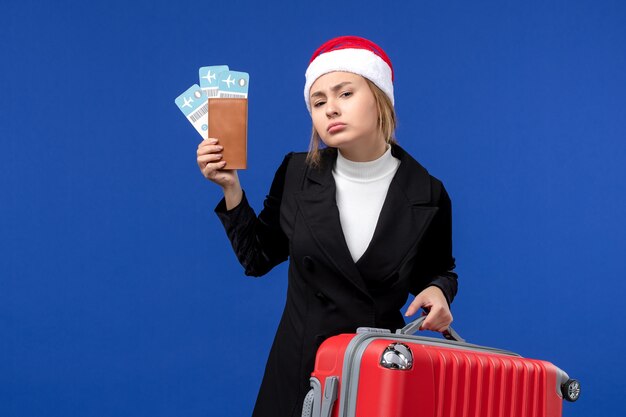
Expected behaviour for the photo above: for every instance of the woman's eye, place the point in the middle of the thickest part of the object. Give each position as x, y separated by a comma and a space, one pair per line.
318, 103
346, 94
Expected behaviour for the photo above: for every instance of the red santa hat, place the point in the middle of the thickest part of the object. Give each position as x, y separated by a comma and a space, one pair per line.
351, 54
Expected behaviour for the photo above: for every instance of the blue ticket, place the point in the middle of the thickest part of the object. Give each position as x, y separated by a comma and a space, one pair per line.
233, 84
195, 106
208, 79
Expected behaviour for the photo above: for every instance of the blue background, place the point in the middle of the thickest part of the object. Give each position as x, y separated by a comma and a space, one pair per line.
119, 292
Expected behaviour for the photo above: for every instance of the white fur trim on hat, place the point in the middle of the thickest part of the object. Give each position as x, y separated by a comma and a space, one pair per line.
358, 61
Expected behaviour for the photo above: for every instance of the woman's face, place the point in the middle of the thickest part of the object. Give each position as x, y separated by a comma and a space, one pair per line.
345, 115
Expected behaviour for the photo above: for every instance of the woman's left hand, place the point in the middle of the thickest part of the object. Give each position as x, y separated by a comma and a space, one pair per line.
432, 299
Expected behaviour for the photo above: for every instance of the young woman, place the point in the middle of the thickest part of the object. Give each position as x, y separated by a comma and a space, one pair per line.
362, 223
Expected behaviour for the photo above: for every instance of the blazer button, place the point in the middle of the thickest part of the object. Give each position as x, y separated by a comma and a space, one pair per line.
322, 297
308, 263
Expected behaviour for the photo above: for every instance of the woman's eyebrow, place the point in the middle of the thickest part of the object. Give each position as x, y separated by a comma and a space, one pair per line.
335, 88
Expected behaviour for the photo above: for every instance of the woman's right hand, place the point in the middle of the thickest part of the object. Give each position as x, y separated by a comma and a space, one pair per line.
211, 164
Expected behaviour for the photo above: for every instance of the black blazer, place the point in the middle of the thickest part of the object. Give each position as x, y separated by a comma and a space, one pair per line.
328, 293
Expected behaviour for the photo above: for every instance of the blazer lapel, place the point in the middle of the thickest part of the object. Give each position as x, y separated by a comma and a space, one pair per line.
404, 218
318, 205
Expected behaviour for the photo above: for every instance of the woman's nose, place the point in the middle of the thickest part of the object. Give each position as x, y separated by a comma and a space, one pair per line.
331, 108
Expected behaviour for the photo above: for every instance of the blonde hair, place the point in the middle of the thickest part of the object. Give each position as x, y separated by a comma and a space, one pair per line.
386, 124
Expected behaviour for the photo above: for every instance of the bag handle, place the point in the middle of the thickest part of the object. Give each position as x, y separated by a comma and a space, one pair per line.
414, 326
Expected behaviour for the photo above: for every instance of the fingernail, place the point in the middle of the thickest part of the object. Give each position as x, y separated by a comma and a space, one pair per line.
220, 147
213, 141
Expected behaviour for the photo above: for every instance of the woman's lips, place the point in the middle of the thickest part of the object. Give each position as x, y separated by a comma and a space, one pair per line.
336, 127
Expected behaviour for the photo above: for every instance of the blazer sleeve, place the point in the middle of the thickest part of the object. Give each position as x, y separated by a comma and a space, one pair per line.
435, 263
258, 242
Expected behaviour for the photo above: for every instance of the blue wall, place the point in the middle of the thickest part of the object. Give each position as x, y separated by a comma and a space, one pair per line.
119, 293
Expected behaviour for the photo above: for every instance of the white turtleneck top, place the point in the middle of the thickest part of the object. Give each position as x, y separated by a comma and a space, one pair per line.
361, 191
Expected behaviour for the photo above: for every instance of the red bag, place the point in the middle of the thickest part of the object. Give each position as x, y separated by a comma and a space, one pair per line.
376, 373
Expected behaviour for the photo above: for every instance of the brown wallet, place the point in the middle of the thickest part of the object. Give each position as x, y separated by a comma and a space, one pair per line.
228, 122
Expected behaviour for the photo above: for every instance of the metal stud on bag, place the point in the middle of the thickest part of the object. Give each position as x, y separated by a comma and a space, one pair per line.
397, 356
